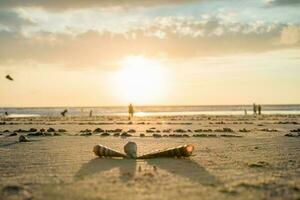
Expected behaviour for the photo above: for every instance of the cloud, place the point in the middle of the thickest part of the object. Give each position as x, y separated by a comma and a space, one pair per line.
290, 35
284, 2
79, 4
12, 20
173, 38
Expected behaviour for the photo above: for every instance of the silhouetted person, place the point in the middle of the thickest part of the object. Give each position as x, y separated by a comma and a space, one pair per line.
130, 111
6, 113
63, 113
259, 109
254, 109
91, 113
245, 111
9, 77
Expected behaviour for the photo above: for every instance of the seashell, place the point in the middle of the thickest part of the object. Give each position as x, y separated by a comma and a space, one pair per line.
130, 149
181, 151
103, 151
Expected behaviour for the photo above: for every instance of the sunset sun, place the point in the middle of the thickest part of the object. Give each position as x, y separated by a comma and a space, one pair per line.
140, 80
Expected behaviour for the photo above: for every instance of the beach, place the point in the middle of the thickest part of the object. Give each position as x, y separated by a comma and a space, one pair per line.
235, 157
149, 100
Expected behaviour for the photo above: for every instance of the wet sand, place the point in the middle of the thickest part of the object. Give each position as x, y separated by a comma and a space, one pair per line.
260, 159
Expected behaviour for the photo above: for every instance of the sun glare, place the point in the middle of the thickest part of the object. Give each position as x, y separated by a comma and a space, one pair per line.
140, 80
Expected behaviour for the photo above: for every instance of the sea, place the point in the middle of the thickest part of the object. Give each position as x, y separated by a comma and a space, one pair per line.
150, 110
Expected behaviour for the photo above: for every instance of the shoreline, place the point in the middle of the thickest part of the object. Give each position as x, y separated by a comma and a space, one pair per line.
153, 114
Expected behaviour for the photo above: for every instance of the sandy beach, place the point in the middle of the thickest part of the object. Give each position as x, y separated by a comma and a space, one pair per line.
235, 157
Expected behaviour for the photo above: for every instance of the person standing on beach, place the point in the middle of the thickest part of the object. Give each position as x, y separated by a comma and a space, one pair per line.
130, 111
63, 113
91, 113
259, 109
254, 109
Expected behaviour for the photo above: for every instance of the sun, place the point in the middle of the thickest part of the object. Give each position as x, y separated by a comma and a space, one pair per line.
140, 80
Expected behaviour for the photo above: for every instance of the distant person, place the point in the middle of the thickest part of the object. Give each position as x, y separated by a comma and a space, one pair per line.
254, 109
63, 113
6, 113
91, 113
130, 111
259, 109
245, 111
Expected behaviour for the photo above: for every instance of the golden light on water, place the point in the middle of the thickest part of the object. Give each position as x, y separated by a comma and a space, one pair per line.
140, 80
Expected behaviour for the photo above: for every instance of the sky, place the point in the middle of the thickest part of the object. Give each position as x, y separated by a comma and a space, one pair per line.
151, 52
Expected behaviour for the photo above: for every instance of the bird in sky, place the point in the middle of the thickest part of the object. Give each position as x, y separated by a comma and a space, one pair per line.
9, 77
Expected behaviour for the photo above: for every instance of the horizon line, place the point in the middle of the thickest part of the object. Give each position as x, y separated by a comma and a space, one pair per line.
163, 105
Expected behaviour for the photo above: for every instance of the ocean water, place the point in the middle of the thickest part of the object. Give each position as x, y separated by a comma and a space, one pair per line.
151, 110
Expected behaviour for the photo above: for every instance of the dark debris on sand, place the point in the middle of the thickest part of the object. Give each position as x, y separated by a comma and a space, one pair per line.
15, 192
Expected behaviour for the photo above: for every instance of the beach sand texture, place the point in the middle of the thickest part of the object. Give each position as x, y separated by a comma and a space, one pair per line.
255, 161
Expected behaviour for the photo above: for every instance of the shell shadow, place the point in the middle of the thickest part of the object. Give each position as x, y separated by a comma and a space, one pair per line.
127, 167
186, 168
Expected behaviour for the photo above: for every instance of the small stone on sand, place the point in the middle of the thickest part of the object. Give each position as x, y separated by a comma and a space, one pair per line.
22, 138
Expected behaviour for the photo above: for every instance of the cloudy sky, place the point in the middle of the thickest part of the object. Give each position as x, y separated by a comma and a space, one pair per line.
157, 52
